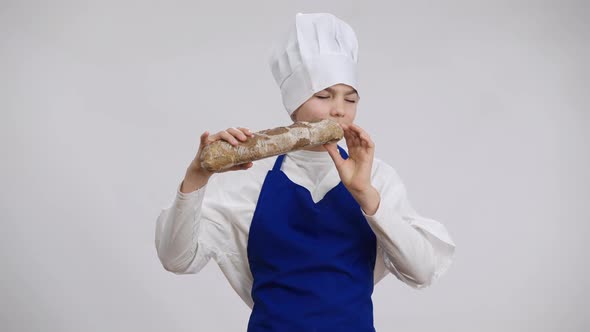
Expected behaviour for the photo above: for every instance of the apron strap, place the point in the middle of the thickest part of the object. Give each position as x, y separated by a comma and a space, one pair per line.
279, 161
342, 153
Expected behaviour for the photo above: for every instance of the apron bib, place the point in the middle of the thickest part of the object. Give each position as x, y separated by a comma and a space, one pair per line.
312, 263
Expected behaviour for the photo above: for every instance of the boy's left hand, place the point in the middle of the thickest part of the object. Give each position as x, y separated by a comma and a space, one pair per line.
355, 172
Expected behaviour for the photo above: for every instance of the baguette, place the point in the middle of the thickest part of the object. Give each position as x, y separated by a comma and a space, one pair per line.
221, 155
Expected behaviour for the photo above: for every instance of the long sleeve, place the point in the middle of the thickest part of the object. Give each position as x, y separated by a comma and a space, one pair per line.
177, 234
417, 250
212, 223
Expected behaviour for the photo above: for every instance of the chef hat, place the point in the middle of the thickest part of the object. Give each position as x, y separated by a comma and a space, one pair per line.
319, 50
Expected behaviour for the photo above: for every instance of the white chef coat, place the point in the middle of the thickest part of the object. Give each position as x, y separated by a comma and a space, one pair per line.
214, 221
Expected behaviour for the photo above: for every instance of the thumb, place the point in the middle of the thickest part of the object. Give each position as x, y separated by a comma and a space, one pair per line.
204, 137
204, 141
334, 153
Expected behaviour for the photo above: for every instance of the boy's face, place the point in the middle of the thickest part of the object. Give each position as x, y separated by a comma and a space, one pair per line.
337, 102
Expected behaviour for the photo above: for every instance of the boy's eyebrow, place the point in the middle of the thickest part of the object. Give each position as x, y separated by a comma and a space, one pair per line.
351, 92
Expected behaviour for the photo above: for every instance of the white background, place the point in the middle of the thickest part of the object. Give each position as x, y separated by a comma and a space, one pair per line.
481, 107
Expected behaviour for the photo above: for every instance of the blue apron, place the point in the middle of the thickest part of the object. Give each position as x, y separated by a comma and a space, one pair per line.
312, 263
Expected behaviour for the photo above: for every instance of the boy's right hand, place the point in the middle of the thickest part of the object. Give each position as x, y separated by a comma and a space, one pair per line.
231, 135
196, 176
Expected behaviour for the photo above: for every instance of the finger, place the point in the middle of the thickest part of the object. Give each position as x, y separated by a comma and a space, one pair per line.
349, 140
237, 134
353, 134
351, 137
366, 139
361, 132
369, 142
246, 131
241, 167
348, 132
217, 136
358, 130
228, 138
363, 136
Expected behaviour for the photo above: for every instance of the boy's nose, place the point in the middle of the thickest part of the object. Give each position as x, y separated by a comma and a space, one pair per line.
337, 109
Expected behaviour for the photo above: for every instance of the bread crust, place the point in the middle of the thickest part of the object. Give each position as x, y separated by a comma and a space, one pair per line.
221, 155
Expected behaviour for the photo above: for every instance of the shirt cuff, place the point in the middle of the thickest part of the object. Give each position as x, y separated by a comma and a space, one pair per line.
376, 215
387, 230
183, 200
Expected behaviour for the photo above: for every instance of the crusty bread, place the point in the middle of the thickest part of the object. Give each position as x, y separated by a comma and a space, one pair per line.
221, 155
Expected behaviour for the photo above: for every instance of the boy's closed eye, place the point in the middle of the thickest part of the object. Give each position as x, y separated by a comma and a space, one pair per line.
326, 97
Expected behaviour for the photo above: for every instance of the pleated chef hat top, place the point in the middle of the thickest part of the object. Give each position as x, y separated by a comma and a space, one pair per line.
318, 51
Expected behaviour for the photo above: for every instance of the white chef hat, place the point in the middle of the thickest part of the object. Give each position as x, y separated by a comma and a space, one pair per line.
318, 51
